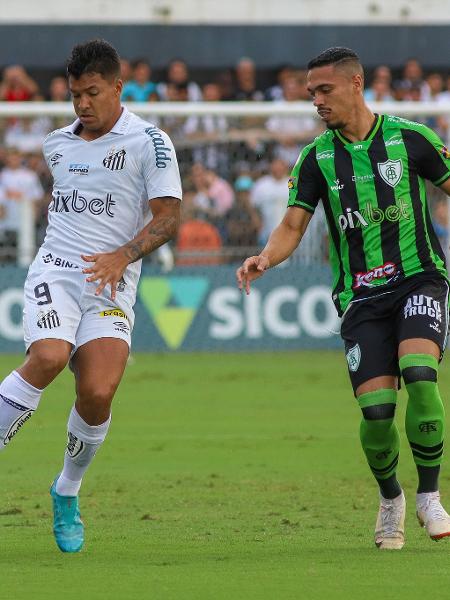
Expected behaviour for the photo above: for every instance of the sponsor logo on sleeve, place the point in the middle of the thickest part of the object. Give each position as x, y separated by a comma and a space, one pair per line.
162, 152
324, 155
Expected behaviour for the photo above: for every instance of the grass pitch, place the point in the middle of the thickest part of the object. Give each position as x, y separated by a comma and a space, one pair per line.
223, 477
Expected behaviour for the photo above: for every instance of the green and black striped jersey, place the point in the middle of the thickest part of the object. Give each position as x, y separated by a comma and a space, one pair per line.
373, 193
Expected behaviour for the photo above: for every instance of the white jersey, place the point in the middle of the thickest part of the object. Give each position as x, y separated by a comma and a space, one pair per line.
102, 187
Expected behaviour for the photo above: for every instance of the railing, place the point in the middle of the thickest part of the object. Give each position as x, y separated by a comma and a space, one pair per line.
243, 137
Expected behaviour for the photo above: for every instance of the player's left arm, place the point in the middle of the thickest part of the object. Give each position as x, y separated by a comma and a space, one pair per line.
109, 267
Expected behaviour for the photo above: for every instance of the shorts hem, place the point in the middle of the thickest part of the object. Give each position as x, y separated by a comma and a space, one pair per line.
34, 339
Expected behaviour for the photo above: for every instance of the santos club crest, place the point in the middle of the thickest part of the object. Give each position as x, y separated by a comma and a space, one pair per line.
391, 171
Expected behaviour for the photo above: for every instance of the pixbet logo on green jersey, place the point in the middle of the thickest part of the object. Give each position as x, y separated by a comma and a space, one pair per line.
373, 215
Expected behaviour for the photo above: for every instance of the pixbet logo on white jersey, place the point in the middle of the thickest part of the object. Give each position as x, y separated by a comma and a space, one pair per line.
76, 203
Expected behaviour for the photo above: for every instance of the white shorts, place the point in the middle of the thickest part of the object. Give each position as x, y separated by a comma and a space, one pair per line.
61, 304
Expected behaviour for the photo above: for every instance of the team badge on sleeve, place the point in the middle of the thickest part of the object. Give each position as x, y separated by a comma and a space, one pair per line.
445, 152
292, 182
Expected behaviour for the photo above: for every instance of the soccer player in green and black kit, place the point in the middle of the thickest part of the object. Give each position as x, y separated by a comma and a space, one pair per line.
390, 280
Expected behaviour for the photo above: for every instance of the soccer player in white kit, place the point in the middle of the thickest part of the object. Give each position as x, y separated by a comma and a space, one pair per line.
112, 172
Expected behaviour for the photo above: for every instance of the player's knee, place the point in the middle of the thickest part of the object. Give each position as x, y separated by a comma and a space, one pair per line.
419, 372
96, 396
416, 368
379, 412
48, 362
377, 423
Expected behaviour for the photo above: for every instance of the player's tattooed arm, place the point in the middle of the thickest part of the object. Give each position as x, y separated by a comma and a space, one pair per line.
162, 228
108, 267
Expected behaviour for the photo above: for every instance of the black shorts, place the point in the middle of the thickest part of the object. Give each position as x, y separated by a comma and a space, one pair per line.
373, 328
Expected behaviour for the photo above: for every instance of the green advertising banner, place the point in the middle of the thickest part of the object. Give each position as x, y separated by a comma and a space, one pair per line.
195, 309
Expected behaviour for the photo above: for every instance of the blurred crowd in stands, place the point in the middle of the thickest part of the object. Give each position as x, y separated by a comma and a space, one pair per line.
234, 170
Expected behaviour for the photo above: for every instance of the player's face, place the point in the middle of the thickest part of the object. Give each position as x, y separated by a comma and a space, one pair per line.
334, 92
96, 101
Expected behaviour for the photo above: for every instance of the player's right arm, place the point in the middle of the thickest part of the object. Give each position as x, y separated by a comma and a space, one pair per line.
283, 240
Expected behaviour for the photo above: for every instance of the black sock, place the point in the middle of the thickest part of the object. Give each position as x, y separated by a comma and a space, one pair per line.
428, 479
390, 487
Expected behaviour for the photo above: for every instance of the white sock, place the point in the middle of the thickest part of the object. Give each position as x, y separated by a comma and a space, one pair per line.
18, 400
83, 442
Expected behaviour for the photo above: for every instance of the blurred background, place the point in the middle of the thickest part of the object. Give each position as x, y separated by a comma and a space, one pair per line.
227, 81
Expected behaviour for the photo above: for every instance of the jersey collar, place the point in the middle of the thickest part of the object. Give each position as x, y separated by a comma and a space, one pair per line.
369, 137
120, 127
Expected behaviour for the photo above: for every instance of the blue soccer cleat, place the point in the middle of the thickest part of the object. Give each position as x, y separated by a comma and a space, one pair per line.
68, 528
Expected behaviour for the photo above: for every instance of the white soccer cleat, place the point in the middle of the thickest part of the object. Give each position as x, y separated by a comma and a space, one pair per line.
432, 516
390, 527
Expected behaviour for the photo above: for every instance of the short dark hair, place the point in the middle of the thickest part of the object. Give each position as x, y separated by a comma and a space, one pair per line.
95, 56
333, 56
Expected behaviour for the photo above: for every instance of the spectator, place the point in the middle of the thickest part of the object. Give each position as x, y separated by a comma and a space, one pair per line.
383, 72
178, 74
440, 123
444, 96
209, 131
140, 88
400, 90
270, 195
198, 242
379, 91
19, 184
412, 78
26, 134
214, 196
17, 85
126, 71
59, 90
292, 131
226, 84
8, 237
243, 221
275, 92
245, 87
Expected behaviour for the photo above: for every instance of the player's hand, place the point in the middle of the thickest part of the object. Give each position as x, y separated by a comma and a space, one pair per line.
107, 268
251, 269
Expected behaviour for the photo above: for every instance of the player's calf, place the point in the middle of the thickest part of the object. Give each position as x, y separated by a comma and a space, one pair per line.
380, 438
424, 421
